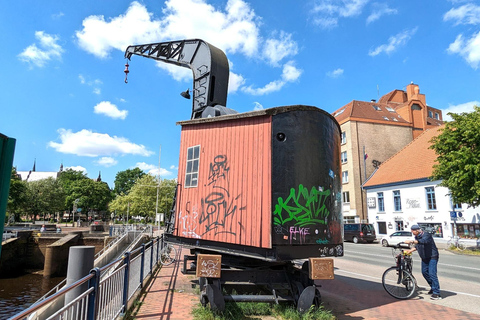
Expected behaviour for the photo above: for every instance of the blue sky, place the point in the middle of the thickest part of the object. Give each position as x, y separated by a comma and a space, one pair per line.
65, 101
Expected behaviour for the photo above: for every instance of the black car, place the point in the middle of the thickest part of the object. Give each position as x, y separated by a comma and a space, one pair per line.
356, 232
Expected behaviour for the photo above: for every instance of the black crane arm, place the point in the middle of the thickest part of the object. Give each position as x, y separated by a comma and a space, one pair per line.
208, 64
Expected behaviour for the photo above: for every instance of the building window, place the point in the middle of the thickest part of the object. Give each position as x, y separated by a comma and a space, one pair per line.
345, 177
397, 201
376, 107
390, 109
382, 227
386, 118
437, 116
344, 137
399, 225
381, 202
430, 114
346, 197
344, 157
431, 203
193, 159
416, 107
457, 206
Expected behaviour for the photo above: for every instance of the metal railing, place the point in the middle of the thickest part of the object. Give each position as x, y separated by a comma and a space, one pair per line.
107, 297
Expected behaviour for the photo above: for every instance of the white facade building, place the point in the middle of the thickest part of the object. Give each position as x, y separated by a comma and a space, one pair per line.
398, 206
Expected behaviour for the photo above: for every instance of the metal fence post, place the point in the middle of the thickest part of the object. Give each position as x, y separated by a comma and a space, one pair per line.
94, 283
126, 280
158, 250
151, 258
142, 265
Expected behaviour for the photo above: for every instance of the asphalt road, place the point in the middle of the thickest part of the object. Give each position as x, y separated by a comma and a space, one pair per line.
359, 273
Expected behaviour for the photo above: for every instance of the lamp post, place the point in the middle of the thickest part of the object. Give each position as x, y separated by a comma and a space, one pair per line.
74, 210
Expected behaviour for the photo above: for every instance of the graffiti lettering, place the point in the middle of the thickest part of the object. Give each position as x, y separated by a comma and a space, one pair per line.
218, 169
218, 209
189, 222
376, 164
303, 208
302, 232
209, 268
322, 241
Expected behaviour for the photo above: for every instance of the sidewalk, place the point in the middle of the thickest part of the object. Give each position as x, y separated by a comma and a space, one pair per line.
170, 295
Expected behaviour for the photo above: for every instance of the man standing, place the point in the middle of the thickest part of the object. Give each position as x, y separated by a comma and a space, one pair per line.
428, 252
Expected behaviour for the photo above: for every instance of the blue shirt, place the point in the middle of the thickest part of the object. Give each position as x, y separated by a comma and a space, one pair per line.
426, 247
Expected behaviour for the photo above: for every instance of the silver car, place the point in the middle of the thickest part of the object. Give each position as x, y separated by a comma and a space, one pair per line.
397, 237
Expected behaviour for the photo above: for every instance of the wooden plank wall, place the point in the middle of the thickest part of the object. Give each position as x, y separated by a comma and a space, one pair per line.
232, 202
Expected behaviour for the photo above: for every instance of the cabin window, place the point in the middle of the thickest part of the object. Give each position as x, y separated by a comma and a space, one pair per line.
193, 159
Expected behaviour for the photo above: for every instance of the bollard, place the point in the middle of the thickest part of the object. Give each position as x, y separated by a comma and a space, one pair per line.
80, 262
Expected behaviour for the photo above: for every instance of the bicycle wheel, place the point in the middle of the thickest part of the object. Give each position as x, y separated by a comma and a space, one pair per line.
398, 286
461, 246
168, 254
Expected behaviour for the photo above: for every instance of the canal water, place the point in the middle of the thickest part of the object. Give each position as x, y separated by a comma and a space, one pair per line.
17, 294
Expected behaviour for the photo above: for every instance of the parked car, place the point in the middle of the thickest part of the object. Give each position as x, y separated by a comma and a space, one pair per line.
397, 237
356, 232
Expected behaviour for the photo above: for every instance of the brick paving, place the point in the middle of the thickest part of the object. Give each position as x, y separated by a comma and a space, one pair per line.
170, 295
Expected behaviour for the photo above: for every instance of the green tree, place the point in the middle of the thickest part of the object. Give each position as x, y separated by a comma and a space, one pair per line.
92, 195
67, 179
142, 198
17, 196
458, 151
124, 180
44, 197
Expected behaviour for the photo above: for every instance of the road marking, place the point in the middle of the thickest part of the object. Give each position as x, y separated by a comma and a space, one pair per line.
455, 266
380, 280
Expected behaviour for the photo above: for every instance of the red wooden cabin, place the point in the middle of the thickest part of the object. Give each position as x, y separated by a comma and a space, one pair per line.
265, 184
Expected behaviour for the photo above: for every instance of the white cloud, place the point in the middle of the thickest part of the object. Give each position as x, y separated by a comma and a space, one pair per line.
469, 49
92, 144
394, 42
77, 168
110, 110
153, 169
466, 14
459, 108
257, 106
49, 49
327, 12
91, 83
57, 15
173, 167
235, 81
335, 73
276, 50
379, 10
234, 29
289, 74
106, 161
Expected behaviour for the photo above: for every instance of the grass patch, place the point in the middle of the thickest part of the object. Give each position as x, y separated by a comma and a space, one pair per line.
253, 310
469, 251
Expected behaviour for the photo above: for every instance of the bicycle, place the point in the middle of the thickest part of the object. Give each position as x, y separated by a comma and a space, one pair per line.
455, 242
399, 281
168, 253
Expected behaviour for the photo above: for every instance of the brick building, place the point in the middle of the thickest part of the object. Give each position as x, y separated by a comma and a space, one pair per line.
372, 132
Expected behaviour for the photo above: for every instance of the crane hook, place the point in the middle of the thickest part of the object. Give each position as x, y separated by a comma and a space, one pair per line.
126, 72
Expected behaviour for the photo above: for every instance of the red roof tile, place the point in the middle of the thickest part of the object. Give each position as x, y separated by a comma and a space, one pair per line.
415, 161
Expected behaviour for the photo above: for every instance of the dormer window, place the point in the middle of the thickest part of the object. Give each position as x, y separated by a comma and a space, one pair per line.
390, 109
416, 107
376, 107
430, 114
437, 116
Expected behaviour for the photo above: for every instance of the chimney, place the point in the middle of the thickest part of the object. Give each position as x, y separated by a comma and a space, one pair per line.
373, 100
412, 91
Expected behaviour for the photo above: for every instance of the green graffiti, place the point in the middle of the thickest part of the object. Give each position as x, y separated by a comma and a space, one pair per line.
303, 208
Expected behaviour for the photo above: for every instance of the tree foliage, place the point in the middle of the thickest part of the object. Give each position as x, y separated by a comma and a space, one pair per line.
92, 195
124, 180
142, 198
44, 197
17, 196
458, 151
67, 179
